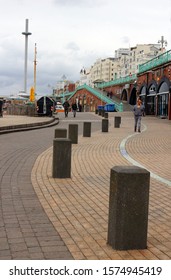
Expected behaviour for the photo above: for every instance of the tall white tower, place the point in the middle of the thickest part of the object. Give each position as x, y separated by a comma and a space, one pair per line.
26, 33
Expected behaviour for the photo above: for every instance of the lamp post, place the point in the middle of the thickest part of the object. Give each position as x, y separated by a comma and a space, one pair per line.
63, 79
26, 34
35, 63
163, 42
82, 76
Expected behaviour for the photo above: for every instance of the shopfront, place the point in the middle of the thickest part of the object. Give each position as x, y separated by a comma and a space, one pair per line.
163, 100
151, 100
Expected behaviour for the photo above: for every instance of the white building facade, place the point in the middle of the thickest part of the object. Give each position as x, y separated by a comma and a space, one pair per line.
126, 62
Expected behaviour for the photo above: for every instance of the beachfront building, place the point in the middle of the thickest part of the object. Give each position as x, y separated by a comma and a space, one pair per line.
125, 62
128, 60
102, 71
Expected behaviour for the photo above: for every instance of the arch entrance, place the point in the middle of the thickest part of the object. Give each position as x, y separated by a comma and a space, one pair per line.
133, 97
163, 99
142, 94
124, 95
151, 99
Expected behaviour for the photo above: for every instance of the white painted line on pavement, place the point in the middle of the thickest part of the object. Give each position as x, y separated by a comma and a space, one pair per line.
134, 162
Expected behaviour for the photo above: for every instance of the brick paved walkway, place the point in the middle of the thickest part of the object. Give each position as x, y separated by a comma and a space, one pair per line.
25, 229
68, 218
78, 207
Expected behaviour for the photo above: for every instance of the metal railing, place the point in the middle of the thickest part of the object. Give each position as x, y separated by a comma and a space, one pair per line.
122, 80
159, 60
119, 106
100, 95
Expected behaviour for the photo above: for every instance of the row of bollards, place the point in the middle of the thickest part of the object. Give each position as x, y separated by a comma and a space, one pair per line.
105, 123
73, 132
61, 161
62, 146
128, 195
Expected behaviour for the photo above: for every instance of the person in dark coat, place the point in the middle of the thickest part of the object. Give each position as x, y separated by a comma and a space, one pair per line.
74, 108
66, 107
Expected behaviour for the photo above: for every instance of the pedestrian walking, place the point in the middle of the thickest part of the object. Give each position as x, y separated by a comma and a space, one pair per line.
80, 107
66, 107
1, 108
138, 112
74, 108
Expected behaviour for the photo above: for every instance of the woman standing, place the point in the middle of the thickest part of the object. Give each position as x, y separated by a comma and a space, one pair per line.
138, 112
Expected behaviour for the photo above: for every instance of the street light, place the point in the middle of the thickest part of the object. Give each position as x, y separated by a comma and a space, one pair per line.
82, 76
83, 71
26, 33
63, 79
163, 42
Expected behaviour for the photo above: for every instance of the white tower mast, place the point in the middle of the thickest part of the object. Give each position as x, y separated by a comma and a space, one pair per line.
26, 33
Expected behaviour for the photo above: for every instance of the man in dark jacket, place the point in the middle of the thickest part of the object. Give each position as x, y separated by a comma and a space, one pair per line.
74, 108
66, 107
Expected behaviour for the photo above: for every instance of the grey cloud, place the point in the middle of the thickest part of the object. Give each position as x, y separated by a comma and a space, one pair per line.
72, 46
125, 39
87, 3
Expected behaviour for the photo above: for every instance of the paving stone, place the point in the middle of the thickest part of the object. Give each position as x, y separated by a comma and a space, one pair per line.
74, 212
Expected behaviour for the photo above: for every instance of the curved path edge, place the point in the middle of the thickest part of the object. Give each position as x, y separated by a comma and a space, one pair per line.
134, 162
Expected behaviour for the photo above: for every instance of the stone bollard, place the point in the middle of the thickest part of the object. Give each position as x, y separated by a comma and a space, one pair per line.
73, 133
61, 165
100, 112
128, 208
117, 121
87, 129
105, 125
103, 112
106, 115
60, 133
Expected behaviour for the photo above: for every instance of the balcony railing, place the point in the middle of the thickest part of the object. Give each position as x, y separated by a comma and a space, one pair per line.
159, 60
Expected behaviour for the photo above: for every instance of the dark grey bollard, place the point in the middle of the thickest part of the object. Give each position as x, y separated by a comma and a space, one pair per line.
61, 165
87, 129
106, 115
73, 133
100, 112
105, 125
128, 208
117, 121
96, 111
60, 133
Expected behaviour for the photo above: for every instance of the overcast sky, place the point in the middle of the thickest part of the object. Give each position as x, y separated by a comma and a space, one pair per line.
71, 34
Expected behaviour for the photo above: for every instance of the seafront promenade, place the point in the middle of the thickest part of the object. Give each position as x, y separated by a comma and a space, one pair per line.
75, 210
